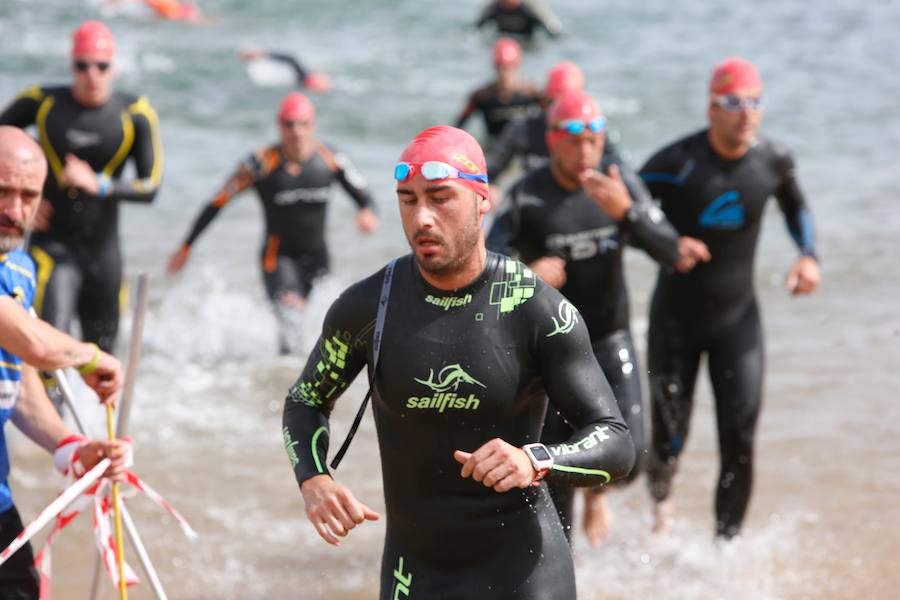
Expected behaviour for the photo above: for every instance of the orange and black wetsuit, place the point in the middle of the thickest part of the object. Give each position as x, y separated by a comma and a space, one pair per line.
78, 257
499, 109
294, 198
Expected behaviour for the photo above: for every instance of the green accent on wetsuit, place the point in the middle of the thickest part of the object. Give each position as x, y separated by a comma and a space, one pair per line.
314, 448
289, 447
515, 289
603, 474
329, 370
568, 318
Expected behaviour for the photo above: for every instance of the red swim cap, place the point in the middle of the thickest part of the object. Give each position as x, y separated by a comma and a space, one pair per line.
452, 146
578, 105
564, 77
507, 52
95, 38
296, 107
734, 75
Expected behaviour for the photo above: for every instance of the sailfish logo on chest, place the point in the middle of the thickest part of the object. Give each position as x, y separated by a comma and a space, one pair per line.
448, 378
725, 212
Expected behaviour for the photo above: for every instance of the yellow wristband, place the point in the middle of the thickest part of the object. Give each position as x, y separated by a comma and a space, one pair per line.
91, 366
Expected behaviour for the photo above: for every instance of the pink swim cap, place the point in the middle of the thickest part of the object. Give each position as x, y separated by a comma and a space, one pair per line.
734, 75
95, 38
452, 146
564, 77
507, 52
577, 105
296, 107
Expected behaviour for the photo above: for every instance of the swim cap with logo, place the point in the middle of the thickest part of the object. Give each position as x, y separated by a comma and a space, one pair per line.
454, 147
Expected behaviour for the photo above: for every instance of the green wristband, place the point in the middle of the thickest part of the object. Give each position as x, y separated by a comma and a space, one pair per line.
91, 366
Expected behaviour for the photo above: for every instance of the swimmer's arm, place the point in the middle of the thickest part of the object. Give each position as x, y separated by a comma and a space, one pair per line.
513, 140
600, 450
353, 182
147, 153
241, 180
22, 112
545, 18
292, 62
338, 357
466, 113
797, 215
646, 224
489, 13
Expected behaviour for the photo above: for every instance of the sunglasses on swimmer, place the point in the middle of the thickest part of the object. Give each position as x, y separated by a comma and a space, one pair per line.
434, 170
84, 66
734, 104
577, 126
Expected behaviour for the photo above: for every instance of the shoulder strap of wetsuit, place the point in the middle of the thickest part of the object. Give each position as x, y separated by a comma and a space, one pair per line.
376, 349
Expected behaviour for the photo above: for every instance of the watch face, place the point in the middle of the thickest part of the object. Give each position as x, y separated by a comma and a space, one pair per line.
540, 453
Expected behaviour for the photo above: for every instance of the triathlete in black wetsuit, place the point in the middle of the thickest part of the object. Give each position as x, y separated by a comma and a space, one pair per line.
293, 180
508, 97
713, 186
471, 342
578, 214
527, 136
88, 133
520, 18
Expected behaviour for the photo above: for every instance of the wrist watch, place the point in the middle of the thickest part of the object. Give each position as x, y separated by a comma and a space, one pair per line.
540, 458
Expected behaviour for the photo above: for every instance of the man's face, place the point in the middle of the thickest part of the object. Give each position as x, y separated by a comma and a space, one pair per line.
442, 222
297, 135
507, 74
21, 183
732, 119
93, 77
574, 154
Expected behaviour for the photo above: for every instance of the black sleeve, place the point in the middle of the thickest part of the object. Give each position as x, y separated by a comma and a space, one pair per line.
660, 173
352, 181
600, 450
243, 177
793, 204
489, 13
339, 355
512, 141
544, 17
466, 113
146, 150
645, 224
22, 112
291, 62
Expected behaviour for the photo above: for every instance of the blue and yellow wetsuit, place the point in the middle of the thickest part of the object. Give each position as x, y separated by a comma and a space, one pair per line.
18, 578
457, 369
78, 256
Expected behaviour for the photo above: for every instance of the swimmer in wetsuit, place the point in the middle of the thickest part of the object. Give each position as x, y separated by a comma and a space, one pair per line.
293, 180
89, 133
471, 343
506, 98
570, 222
520, 18
314, 82
713, 186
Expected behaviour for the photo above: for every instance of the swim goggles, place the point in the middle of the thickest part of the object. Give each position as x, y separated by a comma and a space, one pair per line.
434, 170
577, 126
734, 104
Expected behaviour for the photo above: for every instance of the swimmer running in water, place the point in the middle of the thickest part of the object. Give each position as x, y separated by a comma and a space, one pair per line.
292, 179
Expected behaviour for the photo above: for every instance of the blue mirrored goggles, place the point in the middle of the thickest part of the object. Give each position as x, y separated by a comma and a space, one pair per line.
577, 126
433, 171
734, 104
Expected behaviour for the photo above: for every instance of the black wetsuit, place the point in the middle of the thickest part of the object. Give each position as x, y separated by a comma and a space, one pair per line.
522, 20
712, 309
527, 138
541, 218
497, 111
78, 258
295, 200
456, 370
